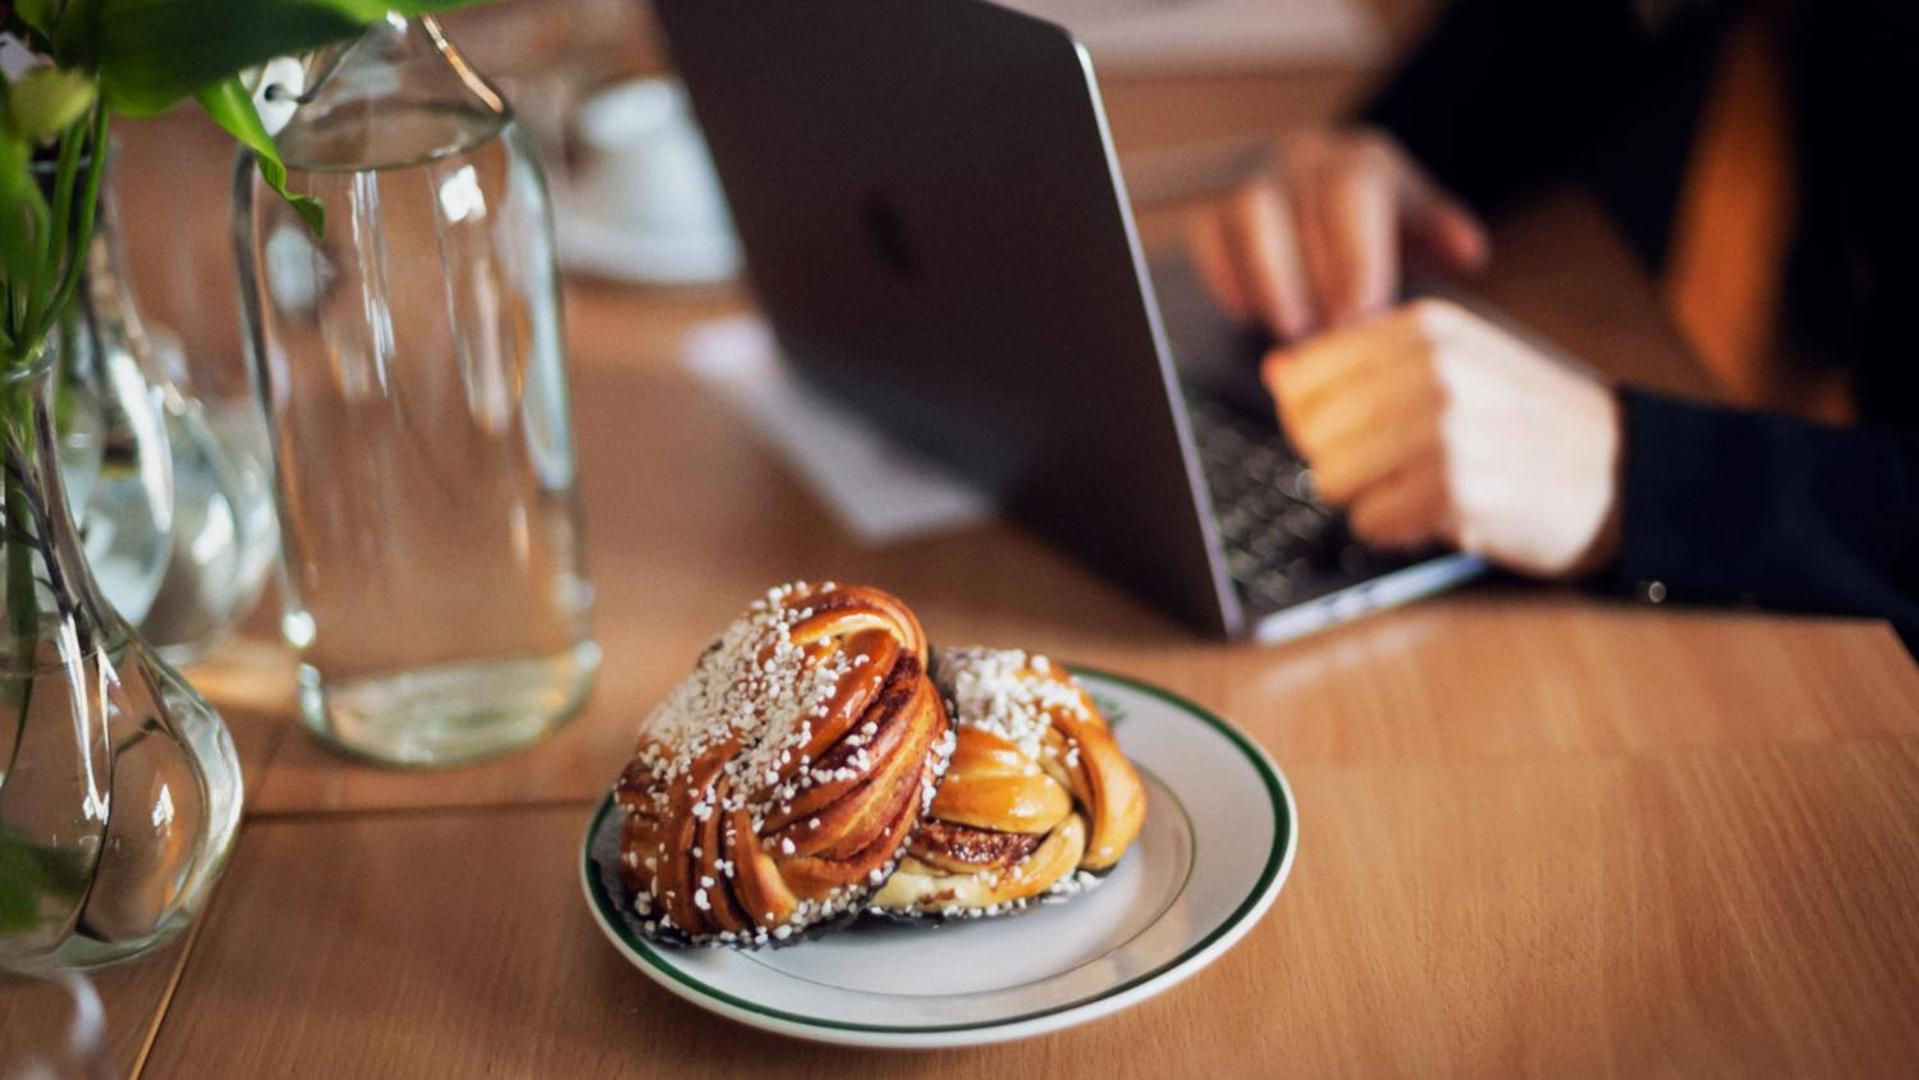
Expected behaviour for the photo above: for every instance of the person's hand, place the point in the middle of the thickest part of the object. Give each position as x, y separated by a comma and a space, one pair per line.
1322, 236
1429, 423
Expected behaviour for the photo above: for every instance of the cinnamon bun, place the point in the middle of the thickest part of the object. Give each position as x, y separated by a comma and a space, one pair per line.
775, 788
1036, 800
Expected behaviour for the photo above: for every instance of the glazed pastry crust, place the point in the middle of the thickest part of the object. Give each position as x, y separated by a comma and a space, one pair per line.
778, 785
1036, 797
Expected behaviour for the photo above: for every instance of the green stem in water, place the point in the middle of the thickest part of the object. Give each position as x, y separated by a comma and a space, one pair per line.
33, 306
40, 306
20, 539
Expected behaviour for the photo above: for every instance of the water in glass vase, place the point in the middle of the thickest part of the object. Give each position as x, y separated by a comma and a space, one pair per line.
119, 797
412, 367
175, 511
120, 791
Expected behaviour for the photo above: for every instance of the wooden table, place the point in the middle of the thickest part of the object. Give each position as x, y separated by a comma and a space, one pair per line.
1541, 832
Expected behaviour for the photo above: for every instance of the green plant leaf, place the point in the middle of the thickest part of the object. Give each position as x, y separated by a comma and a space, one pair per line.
23, 212
152, 53
43, 102
38, 14
228, 102
67, 25
29, 875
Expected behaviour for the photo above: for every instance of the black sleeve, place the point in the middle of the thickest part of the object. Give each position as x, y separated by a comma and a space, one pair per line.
1726, 506
1502, 96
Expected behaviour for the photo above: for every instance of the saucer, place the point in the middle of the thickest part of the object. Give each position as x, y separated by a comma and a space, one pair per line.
1218, 841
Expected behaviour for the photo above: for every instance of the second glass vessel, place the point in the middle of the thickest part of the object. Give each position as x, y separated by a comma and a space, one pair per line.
411, 365
170, 489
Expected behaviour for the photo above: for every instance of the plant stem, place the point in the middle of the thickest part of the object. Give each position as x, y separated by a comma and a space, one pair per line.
56, 235
83, 235
33, 308
23, 608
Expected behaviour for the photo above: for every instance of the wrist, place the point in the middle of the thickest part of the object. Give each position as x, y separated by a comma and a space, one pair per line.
1603, 549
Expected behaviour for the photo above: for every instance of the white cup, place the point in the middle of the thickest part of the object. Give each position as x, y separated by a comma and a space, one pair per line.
646, 169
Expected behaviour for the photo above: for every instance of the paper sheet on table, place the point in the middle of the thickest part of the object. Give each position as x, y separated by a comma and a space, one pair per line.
1163, 34
880, 490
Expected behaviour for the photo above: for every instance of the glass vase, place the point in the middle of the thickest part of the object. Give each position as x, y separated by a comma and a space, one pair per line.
411, 366
113, 436
173, 501
53, 1028
225, 535
119, 788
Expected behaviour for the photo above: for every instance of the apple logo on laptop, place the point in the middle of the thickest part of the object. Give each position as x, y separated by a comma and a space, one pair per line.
886, 233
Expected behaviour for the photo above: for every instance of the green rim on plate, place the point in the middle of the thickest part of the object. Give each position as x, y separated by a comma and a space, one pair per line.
611, 915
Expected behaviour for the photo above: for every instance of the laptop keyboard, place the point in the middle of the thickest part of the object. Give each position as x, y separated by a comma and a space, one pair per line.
1280, 545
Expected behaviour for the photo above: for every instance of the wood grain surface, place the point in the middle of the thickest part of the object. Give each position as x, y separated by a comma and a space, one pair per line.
134, 998
1699, 909
1541, 832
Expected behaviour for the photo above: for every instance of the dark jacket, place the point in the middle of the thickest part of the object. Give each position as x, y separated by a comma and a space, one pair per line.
1505, 96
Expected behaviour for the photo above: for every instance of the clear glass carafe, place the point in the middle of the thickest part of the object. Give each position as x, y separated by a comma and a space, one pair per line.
225, 535
113, 433
119, 789
411, 366
173, 501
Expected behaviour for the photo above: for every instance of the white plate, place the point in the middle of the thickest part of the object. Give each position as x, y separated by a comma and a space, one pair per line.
1218, 842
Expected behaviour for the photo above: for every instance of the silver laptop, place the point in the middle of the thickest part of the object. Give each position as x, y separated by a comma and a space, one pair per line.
937, 229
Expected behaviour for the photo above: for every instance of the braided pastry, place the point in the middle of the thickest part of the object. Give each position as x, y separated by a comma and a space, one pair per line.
1036, 798
776, 787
